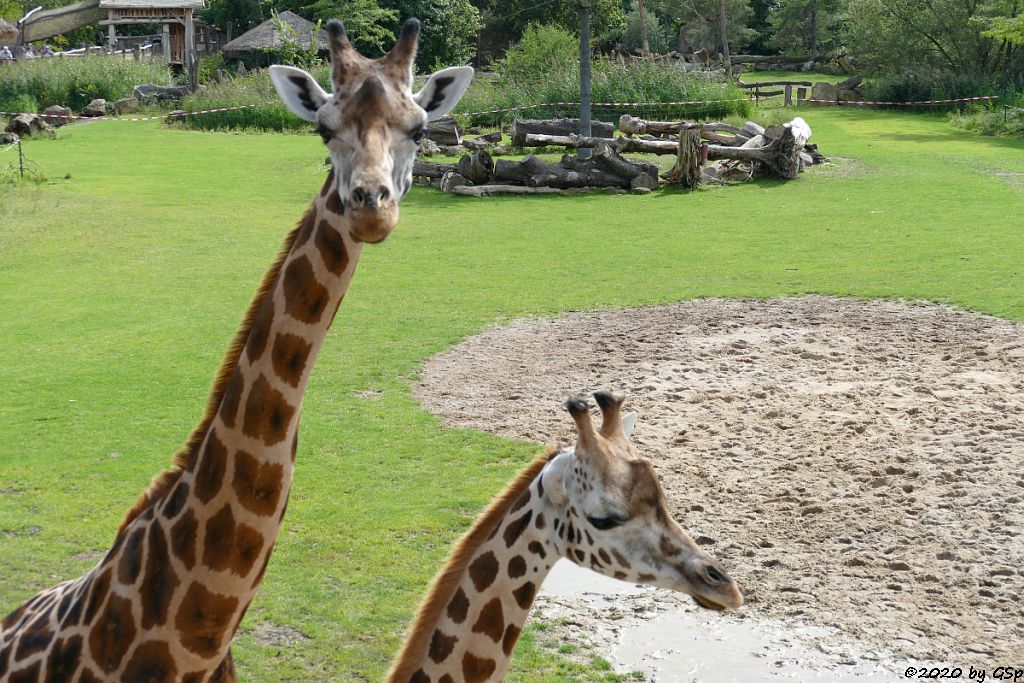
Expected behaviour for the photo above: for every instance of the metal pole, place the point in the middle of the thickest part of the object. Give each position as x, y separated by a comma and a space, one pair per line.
585, 130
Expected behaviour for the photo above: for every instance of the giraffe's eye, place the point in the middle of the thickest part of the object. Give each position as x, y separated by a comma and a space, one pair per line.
604, 523
417, 135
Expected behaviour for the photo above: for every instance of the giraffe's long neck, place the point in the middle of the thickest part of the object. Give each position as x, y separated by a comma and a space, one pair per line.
468, 625
165, 601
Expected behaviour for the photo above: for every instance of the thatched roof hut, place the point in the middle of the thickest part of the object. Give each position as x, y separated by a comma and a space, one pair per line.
267, 35
7, 31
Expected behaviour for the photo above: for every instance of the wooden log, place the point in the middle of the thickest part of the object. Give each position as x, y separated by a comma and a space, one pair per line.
620, 144
753, 129
452, 180
485, 190
604, 169
779, 157
431, 169
444, 131
692, 155
477, 167
523, 127
765, 84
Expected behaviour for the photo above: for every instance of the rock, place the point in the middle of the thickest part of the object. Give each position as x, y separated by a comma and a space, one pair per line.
500, 149
8, 138
57, 115
150, 93
241, 70
807, 66
824, 91
451, 150
641, 190
97, 107
27, 125
494, 137
643, 182
475, 144
127, 105
428, 148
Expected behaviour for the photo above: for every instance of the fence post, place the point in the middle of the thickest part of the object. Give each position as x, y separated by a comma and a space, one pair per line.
789, 95
801, 95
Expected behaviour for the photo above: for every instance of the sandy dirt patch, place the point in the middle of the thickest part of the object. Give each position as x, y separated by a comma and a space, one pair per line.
857, 465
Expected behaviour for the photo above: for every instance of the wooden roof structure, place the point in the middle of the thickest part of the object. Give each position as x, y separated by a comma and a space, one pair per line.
8, 31
267, 35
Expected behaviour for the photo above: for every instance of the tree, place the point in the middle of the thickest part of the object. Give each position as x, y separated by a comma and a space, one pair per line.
505, 20
658, 34
697, 25
240, 15
449, 32
368, 25
954, 35
1009, 29
799, 25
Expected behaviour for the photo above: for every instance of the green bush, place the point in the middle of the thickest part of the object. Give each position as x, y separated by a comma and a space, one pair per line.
921, 83
74, 82
543, 71
209, 66
999, 118
20, 104
255, 87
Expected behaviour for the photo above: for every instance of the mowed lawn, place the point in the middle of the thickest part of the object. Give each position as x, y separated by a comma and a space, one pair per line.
121, 285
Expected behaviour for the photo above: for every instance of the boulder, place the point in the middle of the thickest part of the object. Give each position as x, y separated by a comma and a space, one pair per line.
27, 125
57, 115
126, 105
643, 182
97, 107
428, 148
475, 144
8, 138
825, 91
150, 93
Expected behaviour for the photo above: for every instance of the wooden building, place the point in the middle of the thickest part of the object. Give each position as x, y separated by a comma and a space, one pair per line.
176, 17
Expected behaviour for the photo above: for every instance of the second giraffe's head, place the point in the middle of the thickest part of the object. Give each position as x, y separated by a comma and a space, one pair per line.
372, 123
611, 515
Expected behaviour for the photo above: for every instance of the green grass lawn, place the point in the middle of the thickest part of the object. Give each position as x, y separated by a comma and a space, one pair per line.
121, 285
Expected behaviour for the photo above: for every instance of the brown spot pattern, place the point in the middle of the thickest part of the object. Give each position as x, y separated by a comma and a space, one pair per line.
176, 501
516, 567
508, 642
483, 570
65, 657
257, 484
210, 468
151, 663
537, 549
441, 645
524, 594
259, 333
100, 586
267, 413
232, 398
248, 546
113, 634
491, 621
447, 678
305, 298
520, 502
419, 677
160, 582
289, 357
477, 669
183, 539
332, 248
623, 562
130, 564
219, 540
458, 607
515, 529
203, 619
540, 523
29, 675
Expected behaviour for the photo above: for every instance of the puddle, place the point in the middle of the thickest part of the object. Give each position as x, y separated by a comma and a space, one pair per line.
666, 638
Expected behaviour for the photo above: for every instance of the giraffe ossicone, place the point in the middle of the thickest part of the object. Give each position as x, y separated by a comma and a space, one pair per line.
166, 599
597, 504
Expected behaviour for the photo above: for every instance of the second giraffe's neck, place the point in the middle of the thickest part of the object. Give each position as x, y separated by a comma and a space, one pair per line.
473, 615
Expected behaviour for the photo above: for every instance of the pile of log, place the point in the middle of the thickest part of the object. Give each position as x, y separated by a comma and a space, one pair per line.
735, 154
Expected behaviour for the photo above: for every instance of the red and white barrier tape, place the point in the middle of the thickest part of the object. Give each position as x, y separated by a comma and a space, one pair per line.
89, 119
680, 103
921, 103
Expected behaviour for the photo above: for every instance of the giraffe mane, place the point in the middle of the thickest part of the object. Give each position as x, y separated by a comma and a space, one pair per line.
162, 482
447, 580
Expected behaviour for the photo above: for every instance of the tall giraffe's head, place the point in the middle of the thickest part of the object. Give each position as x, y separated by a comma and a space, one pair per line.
372, 123
612, 505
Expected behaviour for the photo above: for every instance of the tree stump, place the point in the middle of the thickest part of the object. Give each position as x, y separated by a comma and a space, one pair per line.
692, 155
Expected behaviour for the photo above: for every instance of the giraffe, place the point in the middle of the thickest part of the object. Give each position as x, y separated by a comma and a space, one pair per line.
598, 505
165, 601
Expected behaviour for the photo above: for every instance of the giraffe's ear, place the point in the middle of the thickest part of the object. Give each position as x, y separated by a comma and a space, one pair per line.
553, 479
628, 422
443, 91
299, 90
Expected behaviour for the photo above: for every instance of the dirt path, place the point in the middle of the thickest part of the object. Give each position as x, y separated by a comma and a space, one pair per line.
855, 464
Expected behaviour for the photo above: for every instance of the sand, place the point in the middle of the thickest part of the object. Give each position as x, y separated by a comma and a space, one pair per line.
856, 465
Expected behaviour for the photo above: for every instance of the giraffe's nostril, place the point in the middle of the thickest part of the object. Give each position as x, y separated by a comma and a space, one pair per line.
358, 195
716, 575
383, 194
